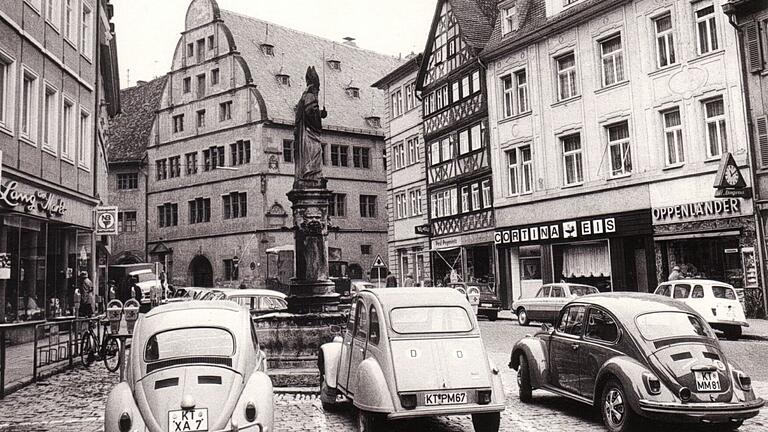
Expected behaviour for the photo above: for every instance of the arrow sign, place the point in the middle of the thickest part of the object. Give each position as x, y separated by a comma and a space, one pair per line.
378, 262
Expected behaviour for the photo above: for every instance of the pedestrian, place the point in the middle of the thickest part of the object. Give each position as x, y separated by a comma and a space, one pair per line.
86, 295
676, 274
391, 281
409, 282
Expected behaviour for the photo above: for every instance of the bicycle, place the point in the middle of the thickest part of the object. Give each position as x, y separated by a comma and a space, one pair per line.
108, 350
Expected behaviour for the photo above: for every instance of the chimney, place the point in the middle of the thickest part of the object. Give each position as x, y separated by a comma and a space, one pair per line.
140, 83
350, 41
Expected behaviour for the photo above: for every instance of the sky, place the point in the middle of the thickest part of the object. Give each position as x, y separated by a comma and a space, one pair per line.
148, 30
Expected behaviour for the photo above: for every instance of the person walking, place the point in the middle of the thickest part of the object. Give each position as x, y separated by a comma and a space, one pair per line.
409, 282
86, 295
391, 281
676, 274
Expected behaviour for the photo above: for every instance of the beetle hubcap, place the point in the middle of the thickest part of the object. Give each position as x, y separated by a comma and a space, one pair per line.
521, 317
613, 405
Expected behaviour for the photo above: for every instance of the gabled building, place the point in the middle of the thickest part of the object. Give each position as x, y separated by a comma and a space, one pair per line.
221, 157
129, 134
451, 81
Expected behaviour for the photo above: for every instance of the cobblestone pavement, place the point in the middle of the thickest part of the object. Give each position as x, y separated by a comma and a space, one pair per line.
74, 401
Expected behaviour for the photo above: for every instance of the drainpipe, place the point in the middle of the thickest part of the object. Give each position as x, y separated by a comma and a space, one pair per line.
730, 10
95, 146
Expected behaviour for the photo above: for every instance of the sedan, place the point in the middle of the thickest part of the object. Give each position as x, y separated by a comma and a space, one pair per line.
194, 366
636, 355
545, 306
258, 301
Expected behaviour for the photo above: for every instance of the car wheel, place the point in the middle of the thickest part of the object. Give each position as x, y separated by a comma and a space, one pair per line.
328, 396
488, 422
524, 380
369, 422
615, 409
493, 316
522, 317
732, 332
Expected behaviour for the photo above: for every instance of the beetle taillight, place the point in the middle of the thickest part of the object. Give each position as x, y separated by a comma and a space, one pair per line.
652, 384
744, 381
125, 422
250, 412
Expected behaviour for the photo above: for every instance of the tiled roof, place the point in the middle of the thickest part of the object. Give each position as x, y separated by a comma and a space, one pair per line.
294, 51
128, 133
476, 18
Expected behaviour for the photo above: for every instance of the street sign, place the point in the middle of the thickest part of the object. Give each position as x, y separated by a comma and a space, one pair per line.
734, 193
106, 220
422, 229
378, 262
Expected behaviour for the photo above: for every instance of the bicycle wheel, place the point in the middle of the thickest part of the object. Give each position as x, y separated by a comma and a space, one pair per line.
112, 354
86, 349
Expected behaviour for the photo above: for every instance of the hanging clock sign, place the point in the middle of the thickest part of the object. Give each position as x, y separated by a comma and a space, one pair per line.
729, 181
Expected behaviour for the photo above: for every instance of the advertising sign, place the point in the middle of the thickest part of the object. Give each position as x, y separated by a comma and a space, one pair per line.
106, 220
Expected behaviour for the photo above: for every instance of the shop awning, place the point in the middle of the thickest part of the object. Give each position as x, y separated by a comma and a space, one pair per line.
688, 236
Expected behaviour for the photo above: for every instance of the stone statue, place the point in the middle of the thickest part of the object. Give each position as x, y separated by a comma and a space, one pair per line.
307, 132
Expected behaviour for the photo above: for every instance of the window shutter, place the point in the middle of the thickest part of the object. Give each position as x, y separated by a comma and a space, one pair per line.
762, 139
752, 47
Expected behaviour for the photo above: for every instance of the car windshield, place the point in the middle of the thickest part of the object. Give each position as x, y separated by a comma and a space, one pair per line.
579, 291
722, 292
145, 277
666, 325
430, 319
189, 342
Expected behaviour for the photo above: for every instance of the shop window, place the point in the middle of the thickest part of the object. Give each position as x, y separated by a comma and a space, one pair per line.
530, 262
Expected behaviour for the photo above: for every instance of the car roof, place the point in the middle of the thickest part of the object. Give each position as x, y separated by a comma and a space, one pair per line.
392, 298
568, 284
193, 313
633, 303
251, 292
697, 282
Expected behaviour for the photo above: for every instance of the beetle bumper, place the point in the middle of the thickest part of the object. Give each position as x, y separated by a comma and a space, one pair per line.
446, 411
715, 412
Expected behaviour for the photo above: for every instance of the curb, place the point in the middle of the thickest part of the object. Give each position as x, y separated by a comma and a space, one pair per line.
297, 390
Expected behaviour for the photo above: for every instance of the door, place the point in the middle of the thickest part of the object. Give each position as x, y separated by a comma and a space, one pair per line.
201, 271
641, 271
358, 346
555, 303
601, 335
538, 304
564, 346
346, 344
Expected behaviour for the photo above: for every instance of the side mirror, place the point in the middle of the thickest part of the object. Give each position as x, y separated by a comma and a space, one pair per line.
547, 328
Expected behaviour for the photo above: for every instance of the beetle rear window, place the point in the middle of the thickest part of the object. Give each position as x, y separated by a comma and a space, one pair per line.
430, 319
666, 325
189, 342
722, 292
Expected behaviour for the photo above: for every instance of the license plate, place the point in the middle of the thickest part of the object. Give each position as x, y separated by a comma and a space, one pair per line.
485, 305
188, 420
449, 398
708, 381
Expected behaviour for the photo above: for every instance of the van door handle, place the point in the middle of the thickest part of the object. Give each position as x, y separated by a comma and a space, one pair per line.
575, 346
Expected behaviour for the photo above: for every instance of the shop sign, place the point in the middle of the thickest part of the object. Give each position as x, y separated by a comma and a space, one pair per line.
106, 220
42, 202
557, 231
445, 243
700, 210
423, 229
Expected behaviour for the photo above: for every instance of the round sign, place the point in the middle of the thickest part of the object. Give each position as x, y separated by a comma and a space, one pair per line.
106, 221
253, 266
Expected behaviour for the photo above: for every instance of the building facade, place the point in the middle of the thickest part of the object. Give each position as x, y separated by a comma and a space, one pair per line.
604, 166
451, 81
221, 153
58, 84
129, 134
408, 231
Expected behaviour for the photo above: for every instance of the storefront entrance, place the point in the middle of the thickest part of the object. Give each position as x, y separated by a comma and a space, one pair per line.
717, 258
464, 264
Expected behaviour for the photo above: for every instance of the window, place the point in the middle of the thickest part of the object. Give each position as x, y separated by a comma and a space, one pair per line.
465, 199
681, 291
190, 50
374, 332
717, 137
361, 157
187, 85
365, 249
210, 43
612, 56
572, 320
665, 41
515, 88
53, 12
29, 106
126, 221
213, 157
509, 95
201, 86
199, 210
572, 159
178, 123
475, 196
161, 169
190, 161
69, 20
475, 82
401, 206
288, 150
241, 152
168, 215
509, 19
485, 188
566, 77
283, 79
334, 65
200, 119
706, 29
337, 205
415, 197
619, 148
6, 81
398, 154
413, 150
368, 206
397, 103
214, 76
235, 205
673, 137
50, 118
410, 96
268, 50
430, 319
353, 92
85, 29
698, 292
339, 155
231, 272
200, 50
444, 203
520, 170
174, 166
85, 144
127, 181
225, 111
67, 128
601, 326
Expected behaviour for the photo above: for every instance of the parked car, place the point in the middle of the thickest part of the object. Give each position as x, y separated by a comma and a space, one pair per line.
411, 352
489, 304
545, 306
636, 355
359, 285
130, 277
258, 301
716, 301
194, 366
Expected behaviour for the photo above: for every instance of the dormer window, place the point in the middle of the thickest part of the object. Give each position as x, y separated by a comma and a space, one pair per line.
283, 79
373, 121
353, 92
268, 50
334, 65
509, 22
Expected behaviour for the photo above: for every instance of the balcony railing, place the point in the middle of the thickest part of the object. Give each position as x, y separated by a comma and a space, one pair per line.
449, 117
463, 223
462, 166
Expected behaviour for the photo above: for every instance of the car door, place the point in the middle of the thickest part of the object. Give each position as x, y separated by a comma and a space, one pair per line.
358, 346
601, 336
557, 299
537, 304
564, 345
342, 375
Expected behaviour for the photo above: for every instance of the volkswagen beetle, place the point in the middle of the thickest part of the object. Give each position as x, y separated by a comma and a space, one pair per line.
194, 366
636, 355
411, 352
